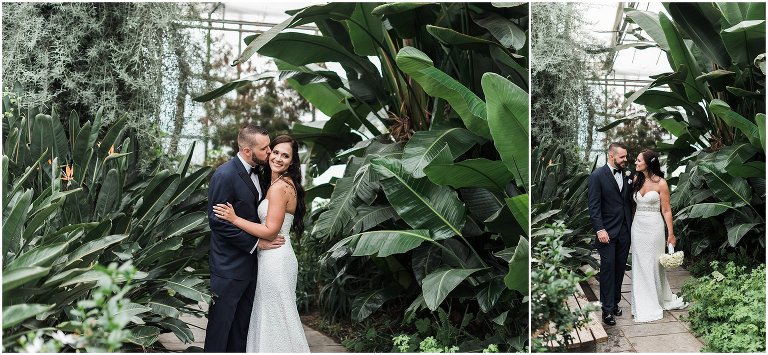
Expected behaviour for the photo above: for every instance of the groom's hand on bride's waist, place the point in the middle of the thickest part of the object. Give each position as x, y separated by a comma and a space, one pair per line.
274, 244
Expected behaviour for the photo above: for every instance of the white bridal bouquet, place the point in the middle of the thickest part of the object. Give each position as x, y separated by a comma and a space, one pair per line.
673, 259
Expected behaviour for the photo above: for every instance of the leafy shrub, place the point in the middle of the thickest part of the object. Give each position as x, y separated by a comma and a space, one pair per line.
728, 308
552, 283
72, 204
100, 322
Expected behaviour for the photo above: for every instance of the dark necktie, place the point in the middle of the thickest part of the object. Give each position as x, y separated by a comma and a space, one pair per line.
255, 170
616, 171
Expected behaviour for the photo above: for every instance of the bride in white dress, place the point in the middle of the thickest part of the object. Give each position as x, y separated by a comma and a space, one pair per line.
275, 325
651, 294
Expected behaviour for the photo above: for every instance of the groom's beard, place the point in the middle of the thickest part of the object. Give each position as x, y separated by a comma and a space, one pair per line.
258, 161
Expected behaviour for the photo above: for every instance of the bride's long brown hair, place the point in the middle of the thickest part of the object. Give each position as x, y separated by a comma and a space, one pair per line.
294, 172
652, 164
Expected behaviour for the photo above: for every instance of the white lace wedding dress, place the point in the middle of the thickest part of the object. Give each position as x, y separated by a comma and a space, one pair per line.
651, 294
275, 325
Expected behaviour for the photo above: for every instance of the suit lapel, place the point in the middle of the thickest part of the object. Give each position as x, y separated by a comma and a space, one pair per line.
607, 171
247, 179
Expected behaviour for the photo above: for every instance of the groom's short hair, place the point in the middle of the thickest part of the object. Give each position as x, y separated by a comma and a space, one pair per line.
246, 136
612, 147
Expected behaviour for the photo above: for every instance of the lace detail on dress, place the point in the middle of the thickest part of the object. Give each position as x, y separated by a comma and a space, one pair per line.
651, 294
275, 324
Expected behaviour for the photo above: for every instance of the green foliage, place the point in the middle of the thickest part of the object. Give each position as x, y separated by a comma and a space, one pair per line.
109, 56
562, 101
715, 109
553, 282
99, 323
728, 308
73, 206
396, 233
441, 334
559, 192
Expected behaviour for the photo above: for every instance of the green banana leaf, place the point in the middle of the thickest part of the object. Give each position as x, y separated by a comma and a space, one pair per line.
508, 121
733, 119
735, 233
419, 202
504, 30
15, 314
690, 18
424, 146
369, 302
384, 243
490, 174
365, 29
436, 83
439, 284
681, 55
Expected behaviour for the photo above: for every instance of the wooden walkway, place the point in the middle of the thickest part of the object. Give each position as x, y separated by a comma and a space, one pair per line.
318, 343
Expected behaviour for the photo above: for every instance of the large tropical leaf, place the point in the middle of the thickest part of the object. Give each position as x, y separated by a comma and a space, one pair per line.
681, 55
384, 243
344, 200
519, 207
144, 335
760, 120
322, 95
365, 29
745, 40
367, 303
234, 85
93, 247
109, 195
519, 268
13, 222
17, 277
255, 45
436, 83
424, 146
691, 19
370, 216
728, 188
490, 174
735, 233
315, 49
439, 284
649, 22
39, 256
504, 30
18, 313
508, 120
419, 202
190, 287
460, 40
179, 328
733, 119
705, 210
489, 293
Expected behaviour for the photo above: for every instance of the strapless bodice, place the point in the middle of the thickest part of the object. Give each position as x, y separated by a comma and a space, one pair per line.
650, 202
285, 229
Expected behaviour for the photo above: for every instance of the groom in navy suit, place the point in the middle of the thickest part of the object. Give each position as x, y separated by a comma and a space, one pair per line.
610, 210
232, 257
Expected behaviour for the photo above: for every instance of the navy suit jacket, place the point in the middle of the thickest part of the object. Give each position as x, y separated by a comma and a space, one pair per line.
230, 256
609, 208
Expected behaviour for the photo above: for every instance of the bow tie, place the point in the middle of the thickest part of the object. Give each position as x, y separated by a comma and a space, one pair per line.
616, 171
255, 170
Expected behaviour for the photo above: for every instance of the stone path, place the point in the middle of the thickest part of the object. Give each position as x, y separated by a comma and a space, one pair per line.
667, 335
318, 343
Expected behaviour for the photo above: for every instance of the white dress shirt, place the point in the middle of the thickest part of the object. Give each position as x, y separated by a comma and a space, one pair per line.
618, 177
255, 180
